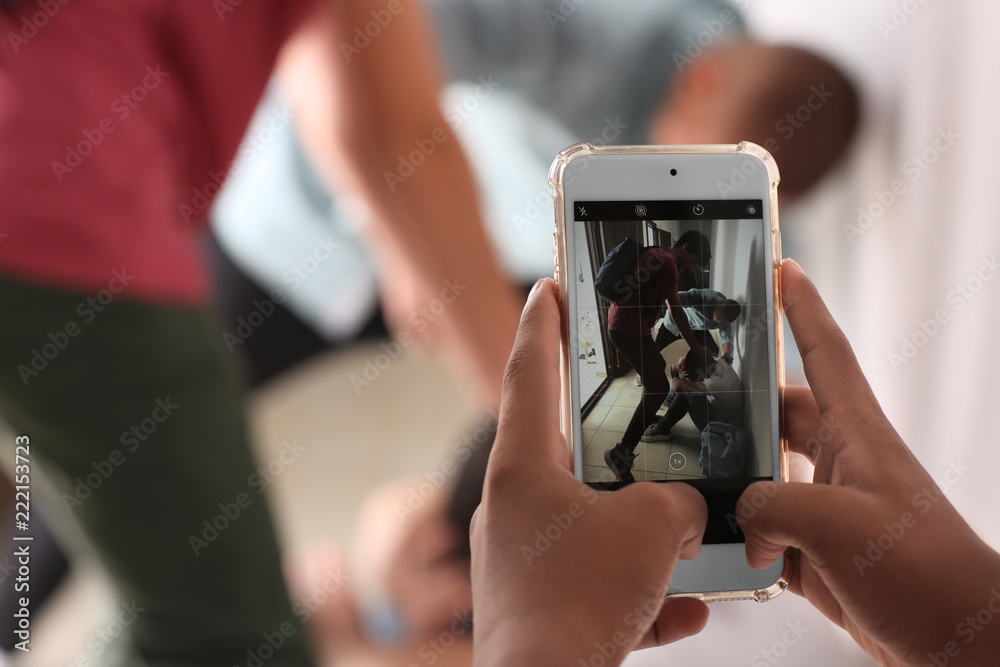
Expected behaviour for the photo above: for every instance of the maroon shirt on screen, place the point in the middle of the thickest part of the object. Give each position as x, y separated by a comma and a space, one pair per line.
656, 275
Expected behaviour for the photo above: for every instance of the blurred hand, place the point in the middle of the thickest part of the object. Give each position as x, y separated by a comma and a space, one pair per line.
874, 543
561, 573
728, 358
425, 576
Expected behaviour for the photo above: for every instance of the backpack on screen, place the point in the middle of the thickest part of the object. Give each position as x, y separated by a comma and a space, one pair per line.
610, 282
723, 451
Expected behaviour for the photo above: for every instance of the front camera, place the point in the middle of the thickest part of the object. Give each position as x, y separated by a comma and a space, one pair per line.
673, 172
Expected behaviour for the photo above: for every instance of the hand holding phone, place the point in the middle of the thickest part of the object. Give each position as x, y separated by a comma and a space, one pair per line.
547, 549
877, 547
688, 234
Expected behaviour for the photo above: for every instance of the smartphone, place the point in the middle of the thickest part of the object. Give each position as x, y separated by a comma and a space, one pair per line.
667, 263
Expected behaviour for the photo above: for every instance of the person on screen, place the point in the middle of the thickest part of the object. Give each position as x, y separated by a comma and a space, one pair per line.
707, 310
630, 325
707, 389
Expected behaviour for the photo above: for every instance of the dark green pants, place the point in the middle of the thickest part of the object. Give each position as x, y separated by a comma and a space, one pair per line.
136, 418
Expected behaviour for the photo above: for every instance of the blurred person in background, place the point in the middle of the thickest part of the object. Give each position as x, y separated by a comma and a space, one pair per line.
706, 310
575, 50
115, 119
525, 81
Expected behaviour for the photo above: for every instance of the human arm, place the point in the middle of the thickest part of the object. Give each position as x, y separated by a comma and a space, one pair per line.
726, 342
530, 602
726, 350
873, 542
682, 386
725, 333
363, 116
680, 319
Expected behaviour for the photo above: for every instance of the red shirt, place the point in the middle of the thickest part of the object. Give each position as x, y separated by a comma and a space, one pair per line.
118, 121
656, 275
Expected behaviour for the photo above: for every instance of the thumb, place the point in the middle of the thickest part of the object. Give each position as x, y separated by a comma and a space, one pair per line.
677, 509
817, 519
529, 409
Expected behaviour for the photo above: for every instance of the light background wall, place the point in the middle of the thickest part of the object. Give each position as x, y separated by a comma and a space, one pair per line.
938, 70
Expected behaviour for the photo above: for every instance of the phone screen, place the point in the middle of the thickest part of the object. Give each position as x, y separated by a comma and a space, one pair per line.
650, 409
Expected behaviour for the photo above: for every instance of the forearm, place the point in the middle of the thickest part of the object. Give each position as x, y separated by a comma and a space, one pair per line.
680, 319
373, 128
682, 386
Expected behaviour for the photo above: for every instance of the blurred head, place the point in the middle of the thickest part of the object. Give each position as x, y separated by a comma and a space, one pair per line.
795, 104
691, 249
726, 311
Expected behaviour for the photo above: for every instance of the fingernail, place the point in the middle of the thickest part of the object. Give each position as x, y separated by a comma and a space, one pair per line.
792, 263
538, 283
